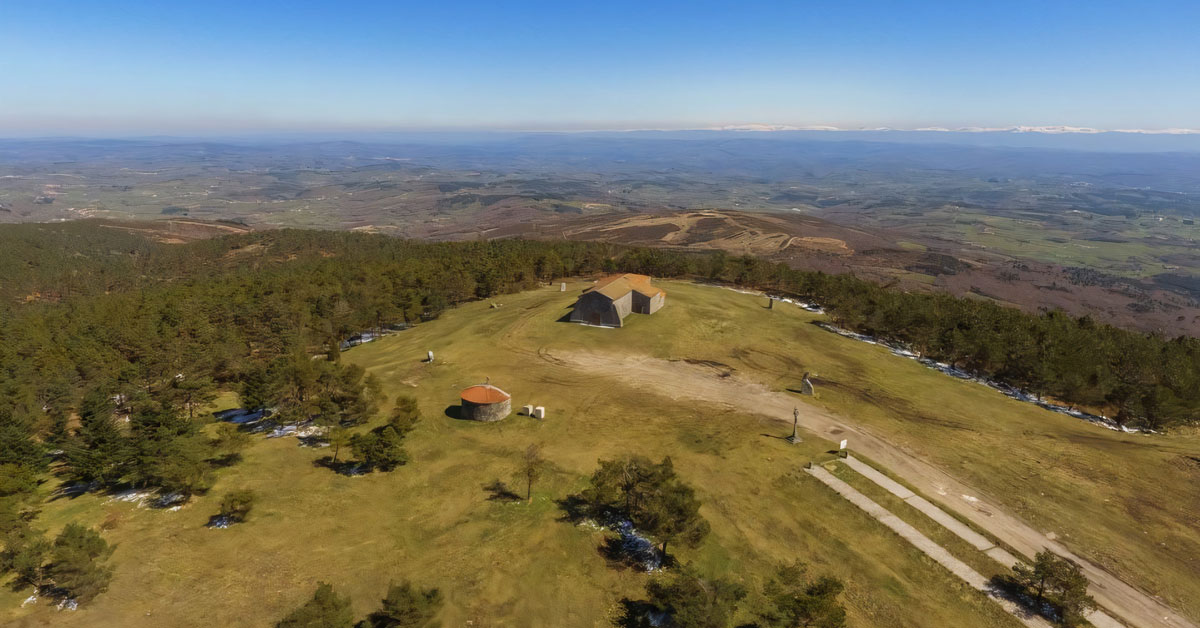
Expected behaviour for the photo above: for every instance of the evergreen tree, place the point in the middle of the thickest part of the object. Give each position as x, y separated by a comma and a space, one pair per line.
17, 445
77, 563
256, 390
405, 415
694, 601
236, 506
406, 607
231, 440
1057, 581
338, 438
650, 496
326, 609
24, 554
99, 451
795, 602
382, 450
191, 394
167, 451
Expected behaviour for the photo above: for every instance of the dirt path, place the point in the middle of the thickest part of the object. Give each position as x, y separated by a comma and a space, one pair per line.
687, 382
931, 549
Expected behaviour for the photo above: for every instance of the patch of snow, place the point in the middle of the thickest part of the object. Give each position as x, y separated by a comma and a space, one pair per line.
638, 547
171, 501
30, 600
308, 431
68, 604
131, 496
280, 432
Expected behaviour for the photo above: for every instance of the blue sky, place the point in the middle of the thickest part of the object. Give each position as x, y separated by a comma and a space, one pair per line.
179, 67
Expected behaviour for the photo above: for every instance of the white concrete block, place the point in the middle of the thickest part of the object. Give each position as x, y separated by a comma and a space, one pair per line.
527, 410
539, 412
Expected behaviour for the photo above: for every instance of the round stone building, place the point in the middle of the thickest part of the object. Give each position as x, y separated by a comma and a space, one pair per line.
485, 403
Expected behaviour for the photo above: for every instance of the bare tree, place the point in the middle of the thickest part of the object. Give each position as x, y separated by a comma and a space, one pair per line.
532, 465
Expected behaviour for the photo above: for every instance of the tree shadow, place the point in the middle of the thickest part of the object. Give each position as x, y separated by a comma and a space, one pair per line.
638, 614
574, 509
500, 492
220, 522
619, 557
227, 460
348, 468
72, 491
312, 441
1006, 586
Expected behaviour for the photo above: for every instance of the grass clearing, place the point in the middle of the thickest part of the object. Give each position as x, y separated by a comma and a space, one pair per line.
1126, 501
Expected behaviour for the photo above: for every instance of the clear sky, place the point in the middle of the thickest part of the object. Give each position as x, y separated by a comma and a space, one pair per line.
175, 66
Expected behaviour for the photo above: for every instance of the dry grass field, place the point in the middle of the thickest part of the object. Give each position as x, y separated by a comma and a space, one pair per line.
1127, 502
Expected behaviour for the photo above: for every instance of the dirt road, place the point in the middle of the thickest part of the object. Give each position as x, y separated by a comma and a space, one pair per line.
689, 382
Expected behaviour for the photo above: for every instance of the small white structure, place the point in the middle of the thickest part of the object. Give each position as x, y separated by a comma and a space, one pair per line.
539, 412
842, 445
527, 410
429, 356
562, 287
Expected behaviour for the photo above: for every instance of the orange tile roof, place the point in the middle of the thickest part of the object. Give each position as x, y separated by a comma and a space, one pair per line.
617, 286
483, 394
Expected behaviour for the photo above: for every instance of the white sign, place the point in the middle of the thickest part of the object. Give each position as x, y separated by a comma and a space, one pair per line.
843, 445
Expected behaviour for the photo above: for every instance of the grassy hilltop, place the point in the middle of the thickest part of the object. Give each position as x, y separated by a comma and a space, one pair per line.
1124, 501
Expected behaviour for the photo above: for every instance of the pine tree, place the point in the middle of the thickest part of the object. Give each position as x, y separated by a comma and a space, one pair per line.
795, 602
24, 554
77, 563
257, 390
383, 449
338, 438
231, 440
651, 496
326, 609
405, 415
406, 607
236, 506
99, 451
695, 601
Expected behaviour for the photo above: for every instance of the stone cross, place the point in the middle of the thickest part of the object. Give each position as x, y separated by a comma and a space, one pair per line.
795, 437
